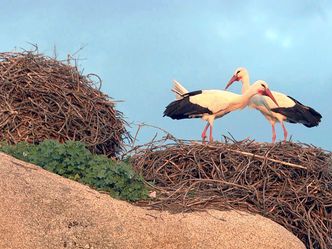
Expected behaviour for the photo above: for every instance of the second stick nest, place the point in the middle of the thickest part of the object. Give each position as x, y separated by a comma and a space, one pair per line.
43, 98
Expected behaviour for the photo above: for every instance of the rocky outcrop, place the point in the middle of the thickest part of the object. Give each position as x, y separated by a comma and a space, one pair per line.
39, 209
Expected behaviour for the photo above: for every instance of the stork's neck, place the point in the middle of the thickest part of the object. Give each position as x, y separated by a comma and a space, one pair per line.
245, 83
243, 100
246, 96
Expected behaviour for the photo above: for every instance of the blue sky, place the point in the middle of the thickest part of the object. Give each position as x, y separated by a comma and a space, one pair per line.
139, 47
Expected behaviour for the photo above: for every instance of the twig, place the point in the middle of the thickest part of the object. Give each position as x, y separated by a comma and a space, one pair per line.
269, 159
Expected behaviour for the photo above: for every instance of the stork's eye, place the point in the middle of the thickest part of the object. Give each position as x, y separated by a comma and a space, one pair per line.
238, 72
263, 85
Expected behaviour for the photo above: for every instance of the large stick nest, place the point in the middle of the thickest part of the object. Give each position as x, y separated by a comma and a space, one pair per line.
287, 182
43, 98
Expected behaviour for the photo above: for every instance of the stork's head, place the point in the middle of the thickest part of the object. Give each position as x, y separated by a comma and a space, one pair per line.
239, 73
262, 88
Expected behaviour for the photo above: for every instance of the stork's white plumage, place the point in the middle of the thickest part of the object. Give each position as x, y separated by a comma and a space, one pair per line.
211, 104
289, 110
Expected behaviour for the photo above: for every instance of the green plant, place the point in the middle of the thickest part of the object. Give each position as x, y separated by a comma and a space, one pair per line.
20, 151
72, 160
118, 178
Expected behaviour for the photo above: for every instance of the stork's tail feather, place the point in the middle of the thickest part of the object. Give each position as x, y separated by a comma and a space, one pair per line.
314, 118
300, 114
179, 90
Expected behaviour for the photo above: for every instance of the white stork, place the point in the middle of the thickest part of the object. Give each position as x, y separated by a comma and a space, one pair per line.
289, 109
211, 104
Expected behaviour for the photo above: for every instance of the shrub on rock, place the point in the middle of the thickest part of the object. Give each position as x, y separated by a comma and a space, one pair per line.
72, 160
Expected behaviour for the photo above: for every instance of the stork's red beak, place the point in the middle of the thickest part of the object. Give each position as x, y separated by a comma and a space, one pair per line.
231, 81
268, 93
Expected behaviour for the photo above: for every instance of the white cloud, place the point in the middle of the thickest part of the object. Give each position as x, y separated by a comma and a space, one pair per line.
232, 30
271, 35
286, 42
277, 38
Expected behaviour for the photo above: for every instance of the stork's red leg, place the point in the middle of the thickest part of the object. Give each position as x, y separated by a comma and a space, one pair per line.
211, 138
274, 135
204, 132
285, 131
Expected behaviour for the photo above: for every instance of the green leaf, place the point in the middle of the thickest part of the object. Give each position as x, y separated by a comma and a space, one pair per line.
73, 160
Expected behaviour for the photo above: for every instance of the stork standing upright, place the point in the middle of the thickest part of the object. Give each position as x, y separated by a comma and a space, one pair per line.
289, 109
211, 104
